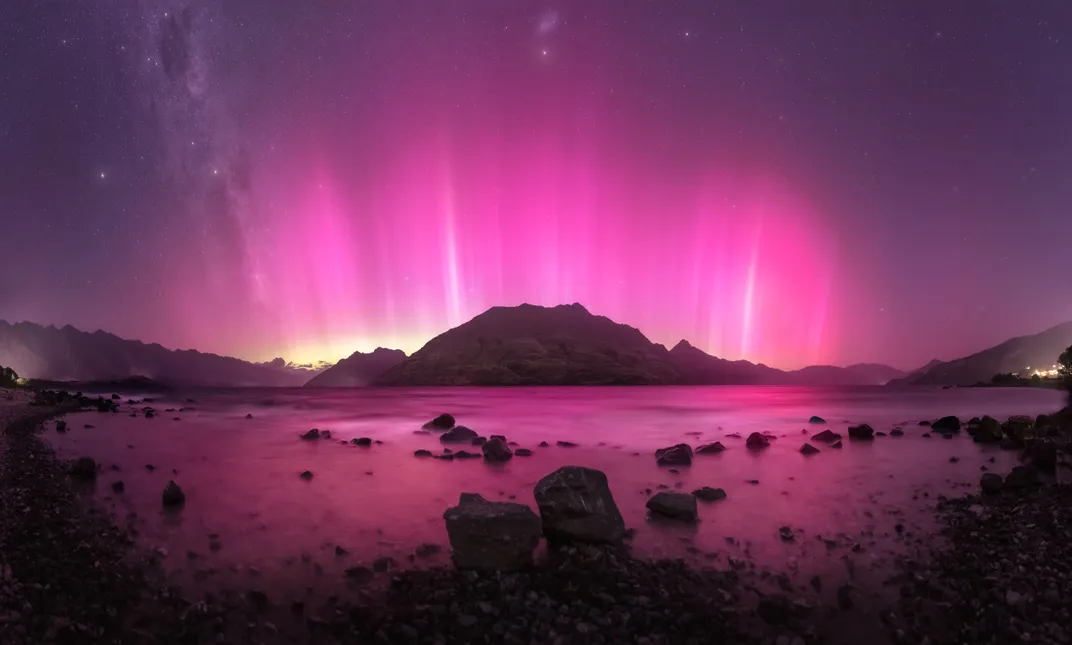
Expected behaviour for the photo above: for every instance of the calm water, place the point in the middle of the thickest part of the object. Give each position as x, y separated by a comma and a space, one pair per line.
241, 475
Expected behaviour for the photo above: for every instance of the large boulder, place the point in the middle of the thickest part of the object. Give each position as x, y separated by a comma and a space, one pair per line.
862, 431
576, 506
496, 449
1019, 427
679, 455
757, 441
673, 506
1021, 477
826, 436
710, 448
1046, 426
492, 536
1040, 454
442, 422
458, 434
991, 483
988, 430
947, 424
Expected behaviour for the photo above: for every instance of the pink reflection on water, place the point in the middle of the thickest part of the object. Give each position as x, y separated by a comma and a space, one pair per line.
241, 475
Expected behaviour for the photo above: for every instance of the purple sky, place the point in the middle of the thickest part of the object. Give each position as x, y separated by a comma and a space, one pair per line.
787, 182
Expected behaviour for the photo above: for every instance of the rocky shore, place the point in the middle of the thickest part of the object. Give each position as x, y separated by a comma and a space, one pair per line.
1000, 575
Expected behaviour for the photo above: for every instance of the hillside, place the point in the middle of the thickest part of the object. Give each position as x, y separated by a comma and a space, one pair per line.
359, 369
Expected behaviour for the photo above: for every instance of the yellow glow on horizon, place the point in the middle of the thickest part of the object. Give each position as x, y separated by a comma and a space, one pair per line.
332, 350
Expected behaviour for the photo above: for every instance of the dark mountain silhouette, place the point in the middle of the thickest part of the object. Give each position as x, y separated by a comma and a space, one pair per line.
359, 369
67, 354
700, 368
1039, 351
531, 345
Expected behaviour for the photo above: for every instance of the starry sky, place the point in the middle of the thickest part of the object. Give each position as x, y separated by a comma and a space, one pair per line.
786, 182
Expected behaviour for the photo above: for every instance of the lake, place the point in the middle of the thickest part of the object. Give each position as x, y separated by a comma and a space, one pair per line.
241, 476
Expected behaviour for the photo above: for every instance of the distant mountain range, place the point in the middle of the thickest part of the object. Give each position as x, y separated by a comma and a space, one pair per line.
522, 345
67, 354
1021, 355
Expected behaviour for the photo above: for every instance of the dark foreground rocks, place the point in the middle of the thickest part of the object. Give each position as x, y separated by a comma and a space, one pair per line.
492, 536
679, 455
576, 506
1005, 575
673, 506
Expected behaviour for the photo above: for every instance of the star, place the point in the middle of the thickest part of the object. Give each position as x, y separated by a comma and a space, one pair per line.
102, 175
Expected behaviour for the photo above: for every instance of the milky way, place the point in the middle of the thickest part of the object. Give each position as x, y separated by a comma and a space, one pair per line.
787, 185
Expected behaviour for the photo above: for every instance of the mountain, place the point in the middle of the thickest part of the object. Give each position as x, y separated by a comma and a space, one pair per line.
531, 345
359, 369
67, 354
1015, 355
700, 368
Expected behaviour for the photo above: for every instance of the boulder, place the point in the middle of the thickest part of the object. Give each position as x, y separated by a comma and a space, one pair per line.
988, 430
896, 432
991, 483
1041, 454
757, 441
306, 475
947, 424
862, 431
1019, 427
458, 434
576, 506
61, 426
826, 436
523, 452
1010, 443
543, 444
83, 468
173, 495
464, 454
815, 419
836, 445
362, 441
563, 444
674, 506
1021, 477
479, 441
1045, 426
311, 435
491, 536
709, 494
496, 449
710, 448
249, 415
808, 449
442, 422
679, 455
422, 453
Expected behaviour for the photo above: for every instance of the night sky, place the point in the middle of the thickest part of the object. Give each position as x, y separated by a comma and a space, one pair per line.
788, 182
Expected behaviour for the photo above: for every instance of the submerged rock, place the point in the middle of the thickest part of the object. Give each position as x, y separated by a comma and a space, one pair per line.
479, 441
836, 445
464, 454
674, 506
563, 444
362, 441
896, 432
173, 495
306, 475
709, 494
422, 453
710, 448
458, 434
576, 506
947, 424
485, 535
523, 452
311, 435
815, 419
679, 455
862, 431
756, 441
496, 449
442, 422
808, 449
826, 436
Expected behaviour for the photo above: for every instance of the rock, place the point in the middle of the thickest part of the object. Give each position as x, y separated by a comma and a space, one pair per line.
422, 453
359, 575
991, 483
896, 432
987, 431
523, 452
815, 419
576, 505
306, 474
118, 487
497, 450
61, 426
83, 468
826, 436
1041, 454
674, 506
946, 424
709, 494
1010, 443
756, 441
427, 550
173, 495
458, 434
249, 415
836, 445
311, 435
710, 448
924, 423
442, 422
565, 444
1019, 427
543, 444
862, 431
465, 454
808, 449
679, 455
362, 441
325, 434
774, 609
479, 441
1045, 425
496, 536
381, 565
1021, 477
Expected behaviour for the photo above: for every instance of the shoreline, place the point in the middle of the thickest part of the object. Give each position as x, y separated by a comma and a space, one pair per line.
577, 594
